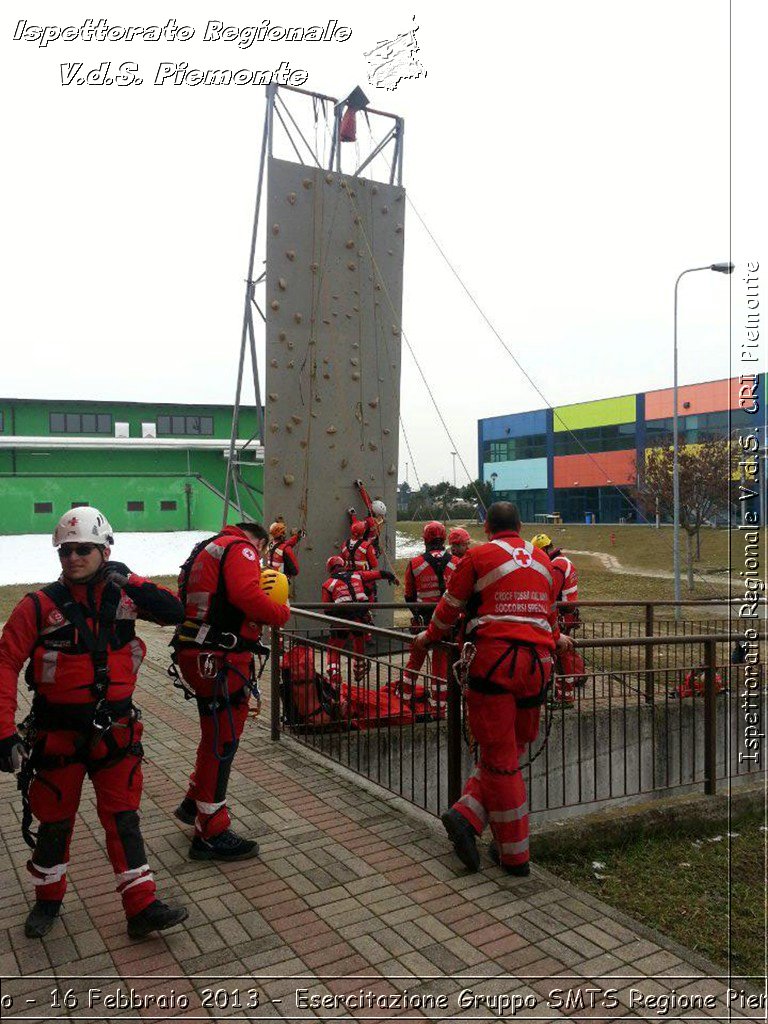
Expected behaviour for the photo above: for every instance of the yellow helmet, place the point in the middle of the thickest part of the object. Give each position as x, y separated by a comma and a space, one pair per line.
541, 540
275, 585
277, 530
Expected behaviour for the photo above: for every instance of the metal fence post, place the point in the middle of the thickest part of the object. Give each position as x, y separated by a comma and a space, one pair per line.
453, 731
274, 681
710, 718
649, 652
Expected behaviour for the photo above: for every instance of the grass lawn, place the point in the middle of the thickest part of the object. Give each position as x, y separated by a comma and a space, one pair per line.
679, 884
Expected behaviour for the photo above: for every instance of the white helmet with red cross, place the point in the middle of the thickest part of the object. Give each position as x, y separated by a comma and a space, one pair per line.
84, 524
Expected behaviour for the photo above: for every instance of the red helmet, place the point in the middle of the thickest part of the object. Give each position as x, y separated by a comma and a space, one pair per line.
357, 529
334, 562
433, 531
458, 535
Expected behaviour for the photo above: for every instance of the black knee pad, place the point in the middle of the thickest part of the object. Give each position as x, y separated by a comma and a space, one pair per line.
129, 831
52, 837
225, 767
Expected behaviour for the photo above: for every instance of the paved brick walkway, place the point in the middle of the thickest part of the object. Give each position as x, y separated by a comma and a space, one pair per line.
350, 893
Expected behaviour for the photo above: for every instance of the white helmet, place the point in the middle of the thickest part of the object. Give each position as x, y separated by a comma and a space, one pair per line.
83, 524
379, 509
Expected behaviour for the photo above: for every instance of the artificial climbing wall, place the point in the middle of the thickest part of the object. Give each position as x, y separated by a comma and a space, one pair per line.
334, 302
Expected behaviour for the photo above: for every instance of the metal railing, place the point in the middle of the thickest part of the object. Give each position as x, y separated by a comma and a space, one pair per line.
650, 715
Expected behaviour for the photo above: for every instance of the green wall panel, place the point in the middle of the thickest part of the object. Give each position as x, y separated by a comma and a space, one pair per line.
603, 412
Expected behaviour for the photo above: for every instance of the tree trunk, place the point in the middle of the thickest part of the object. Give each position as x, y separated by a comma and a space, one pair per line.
698, 543
689, 558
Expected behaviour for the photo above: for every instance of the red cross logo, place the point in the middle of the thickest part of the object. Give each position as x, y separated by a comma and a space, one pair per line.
73, 521
522, 557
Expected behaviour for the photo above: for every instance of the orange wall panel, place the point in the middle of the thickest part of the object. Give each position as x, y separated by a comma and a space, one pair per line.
595, 470
714, 396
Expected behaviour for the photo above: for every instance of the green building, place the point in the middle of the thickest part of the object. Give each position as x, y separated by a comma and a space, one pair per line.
149, 466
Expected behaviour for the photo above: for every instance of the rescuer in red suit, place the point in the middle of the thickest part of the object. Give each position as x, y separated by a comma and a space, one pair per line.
281, 553
84, 656
571, 664
226, 604
459, 542
426, 577
347, 586
506, 591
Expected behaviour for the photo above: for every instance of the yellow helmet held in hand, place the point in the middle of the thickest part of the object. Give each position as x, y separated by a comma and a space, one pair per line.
541, 540
275, 585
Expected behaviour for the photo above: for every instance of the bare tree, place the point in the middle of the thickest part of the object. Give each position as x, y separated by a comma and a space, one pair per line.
706, 471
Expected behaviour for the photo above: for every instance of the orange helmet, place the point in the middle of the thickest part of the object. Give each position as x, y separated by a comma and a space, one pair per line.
433, 531
458, 535
334, 563
358, 529
277, 530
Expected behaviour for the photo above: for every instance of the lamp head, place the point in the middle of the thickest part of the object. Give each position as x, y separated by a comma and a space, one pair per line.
722, 268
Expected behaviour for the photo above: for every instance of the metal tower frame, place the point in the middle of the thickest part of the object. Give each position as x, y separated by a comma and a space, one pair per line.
275, 106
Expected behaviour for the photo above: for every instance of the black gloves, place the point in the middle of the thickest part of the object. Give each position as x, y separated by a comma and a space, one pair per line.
117, 573
389, 576
11, 753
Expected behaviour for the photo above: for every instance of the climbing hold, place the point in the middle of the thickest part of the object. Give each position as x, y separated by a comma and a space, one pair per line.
274, 428
355, 375
291, 364
303, 444
350, 244
272, 396
386, 430
385, 209
298, 317
289, 428
343, 184
273, 461
375, 190
296, 419
377, 287
275, 229
282, 335
352, 193
288, 479
391, 470
390, 252
275, 304
329, 179
355, 362
291, 198
395, 330
348, 316
357, 220
331, 445
399, 229
355, 309
355, 344
326, 320
290, 345
291, 255
374, 403
331, 430
282, 284
399, 198
326, 376
351, 266
307, 183
344, 463
273, 362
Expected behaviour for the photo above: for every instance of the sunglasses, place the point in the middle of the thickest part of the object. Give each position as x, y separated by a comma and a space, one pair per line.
81, 550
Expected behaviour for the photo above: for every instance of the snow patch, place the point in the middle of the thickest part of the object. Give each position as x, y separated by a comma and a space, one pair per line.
31, 558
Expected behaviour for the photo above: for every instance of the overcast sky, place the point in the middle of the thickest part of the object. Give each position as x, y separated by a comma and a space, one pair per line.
570, 157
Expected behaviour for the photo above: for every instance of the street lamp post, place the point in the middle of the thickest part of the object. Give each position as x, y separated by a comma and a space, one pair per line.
719, 268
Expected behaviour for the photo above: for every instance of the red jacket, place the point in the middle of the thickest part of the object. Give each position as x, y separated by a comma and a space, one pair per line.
360, 554
506, 589
282, 557
566, 578
422, 579
235, 603
61, 668
345, 586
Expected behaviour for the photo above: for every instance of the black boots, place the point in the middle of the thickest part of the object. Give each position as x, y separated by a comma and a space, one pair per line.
41, 917
155, 918
463, 836
186, 811
225, 846
520, 870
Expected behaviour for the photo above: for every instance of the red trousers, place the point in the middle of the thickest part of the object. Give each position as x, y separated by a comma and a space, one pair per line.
220, 731
55, 797
339, 642
437, 677
495, 793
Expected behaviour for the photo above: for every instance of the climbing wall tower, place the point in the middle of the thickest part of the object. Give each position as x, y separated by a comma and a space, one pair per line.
333, 314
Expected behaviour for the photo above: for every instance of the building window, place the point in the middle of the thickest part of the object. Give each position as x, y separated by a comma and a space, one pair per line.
514, 448
80, 504
135, 506
2, 421
185, 426
43, 507
608, 438
80, 423
167, 506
